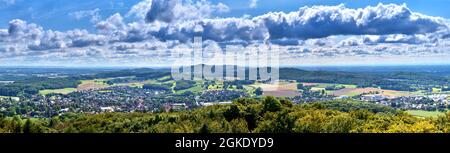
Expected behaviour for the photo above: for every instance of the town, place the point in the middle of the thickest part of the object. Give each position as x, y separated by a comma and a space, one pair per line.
164, 95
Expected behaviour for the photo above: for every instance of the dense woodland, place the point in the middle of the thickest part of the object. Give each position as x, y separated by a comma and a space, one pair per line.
183, 84
32, 85
266, 115
403, 81
164, 87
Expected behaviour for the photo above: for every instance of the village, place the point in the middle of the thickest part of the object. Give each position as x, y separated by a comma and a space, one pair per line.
114, 99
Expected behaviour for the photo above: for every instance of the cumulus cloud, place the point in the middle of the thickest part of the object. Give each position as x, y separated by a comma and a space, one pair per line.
111, 25
306, 23
48, 40
220, 30
323, 21
352, 41
3, 34
400, 38
182, 10
153, 26
388, 23
88, 40
140, 9
19, 30
182, 20
36, 38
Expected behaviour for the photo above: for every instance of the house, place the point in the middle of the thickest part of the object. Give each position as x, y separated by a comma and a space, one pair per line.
64, 110
215, 103
342, 97
107, 109
373, 97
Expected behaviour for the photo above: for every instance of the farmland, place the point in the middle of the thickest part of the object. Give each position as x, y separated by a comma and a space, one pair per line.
132, 89
281, 93
279, 88
422, 113
92, 84
360, 91
58, 91
354, 90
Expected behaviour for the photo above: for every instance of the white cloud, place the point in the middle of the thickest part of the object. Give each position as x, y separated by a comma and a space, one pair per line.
323, 31
94, 15
323, 21
182, 10
253, 3
306, 23
140, 9
35, 37
111, 25
283, 28
401, 38
352, 41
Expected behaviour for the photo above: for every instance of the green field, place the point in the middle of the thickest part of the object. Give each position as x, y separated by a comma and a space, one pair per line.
7, 97
130, 84
322, 86
423, 113
95, 81
59, 91
250, 90
164, 78
218, 85
436, 90
140, 84
194, 89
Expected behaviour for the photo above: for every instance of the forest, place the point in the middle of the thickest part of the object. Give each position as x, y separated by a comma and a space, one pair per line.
244, 115
402, 81
32, 85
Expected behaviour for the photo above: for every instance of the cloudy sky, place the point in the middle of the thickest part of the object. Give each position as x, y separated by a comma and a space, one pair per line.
147, 32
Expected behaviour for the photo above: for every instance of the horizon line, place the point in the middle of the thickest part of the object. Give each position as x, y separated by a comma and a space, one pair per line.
168, 66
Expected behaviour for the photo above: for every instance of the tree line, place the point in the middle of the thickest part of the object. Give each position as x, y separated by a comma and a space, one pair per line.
244, 115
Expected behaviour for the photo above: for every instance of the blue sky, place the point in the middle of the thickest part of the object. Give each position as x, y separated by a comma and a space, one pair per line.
55, 14
149, 32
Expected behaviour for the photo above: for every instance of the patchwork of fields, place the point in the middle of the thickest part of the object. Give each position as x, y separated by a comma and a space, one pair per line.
353, 90
279, 89
359, 91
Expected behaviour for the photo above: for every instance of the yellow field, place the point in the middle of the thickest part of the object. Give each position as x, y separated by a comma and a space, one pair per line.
359, 91
278, 89
59, 91
277, 86
92, 84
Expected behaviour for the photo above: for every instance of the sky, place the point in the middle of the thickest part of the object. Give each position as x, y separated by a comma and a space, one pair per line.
148, 32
